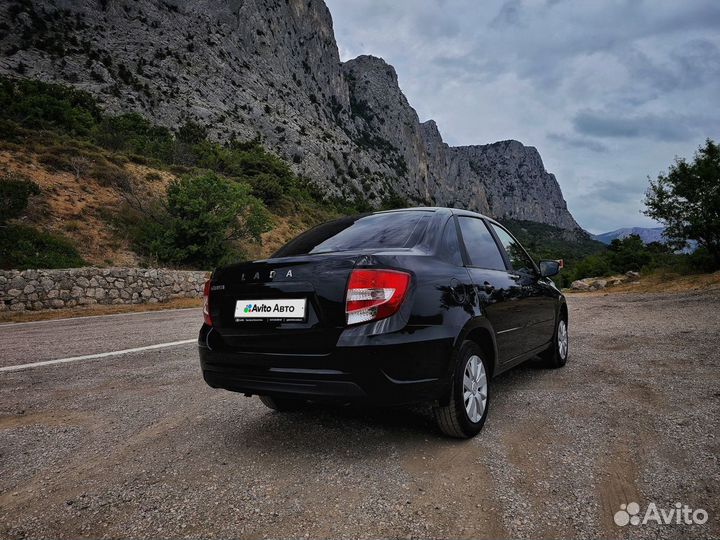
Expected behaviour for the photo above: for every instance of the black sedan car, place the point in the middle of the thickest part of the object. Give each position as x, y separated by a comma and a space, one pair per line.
423, 304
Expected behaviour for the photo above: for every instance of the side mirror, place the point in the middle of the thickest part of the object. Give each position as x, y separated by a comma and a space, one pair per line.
550, 268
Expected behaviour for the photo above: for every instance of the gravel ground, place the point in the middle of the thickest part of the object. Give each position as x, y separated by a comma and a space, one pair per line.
138, 446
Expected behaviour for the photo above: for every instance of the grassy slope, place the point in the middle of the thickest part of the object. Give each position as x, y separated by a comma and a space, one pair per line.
81, 208
98, 172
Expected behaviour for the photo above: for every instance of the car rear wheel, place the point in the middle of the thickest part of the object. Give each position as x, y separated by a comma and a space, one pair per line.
463, 417
282, 404
556, 355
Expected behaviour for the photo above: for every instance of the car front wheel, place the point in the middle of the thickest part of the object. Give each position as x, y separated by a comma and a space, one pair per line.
463, 417
557, 354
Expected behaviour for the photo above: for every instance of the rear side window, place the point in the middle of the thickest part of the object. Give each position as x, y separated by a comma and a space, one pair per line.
449, 246
375, 231
480, 245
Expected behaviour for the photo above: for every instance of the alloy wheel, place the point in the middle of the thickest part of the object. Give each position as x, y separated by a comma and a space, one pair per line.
562, 339
475, 389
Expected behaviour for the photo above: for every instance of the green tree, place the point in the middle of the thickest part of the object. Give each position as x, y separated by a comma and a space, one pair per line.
202, 217
591, 266
687, 200
628, 254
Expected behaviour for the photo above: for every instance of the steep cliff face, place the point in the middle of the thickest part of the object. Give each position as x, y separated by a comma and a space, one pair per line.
272, 68
505, 179
386, 125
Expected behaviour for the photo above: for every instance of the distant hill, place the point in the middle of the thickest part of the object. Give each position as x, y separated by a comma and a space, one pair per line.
646, 234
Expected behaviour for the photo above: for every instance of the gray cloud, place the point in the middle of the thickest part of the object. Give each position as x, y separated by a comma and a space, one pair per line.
509, 14
602, 89
617, 192
661, 128
573, 141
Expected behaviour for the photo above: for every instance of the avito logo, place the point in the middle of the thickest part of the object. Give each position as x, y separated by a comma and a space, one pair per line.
257, 308
264, 308
681, 514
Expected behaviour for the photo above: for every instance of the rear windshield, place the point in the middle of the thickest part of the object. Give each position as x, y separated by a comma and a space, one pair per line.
375, 231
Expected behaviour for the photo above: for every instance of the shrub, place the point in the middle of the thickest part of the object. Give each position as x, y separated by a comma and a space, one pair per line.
592, 266
15, 192
267, 188
110, 175
202, 216
632, 254
132, 133
191, 133
55, 161
393, 201
24, 247
39, 105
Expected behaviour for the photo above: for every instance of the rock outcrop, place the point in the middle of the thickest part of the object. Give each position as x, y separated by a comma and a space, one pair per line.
504, 179
272, 68
597, 284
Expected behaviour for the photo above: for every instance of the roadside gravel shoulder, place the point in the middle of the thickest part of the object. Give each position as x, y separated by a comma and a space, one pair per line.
138, 446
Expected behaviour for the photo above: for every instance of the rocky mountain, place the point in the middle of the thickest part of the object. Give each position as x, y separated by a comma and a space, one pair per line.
271, 68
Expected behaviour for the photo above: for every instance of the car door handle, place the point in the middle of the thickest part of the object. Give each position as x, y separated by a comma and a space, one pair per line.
487, 286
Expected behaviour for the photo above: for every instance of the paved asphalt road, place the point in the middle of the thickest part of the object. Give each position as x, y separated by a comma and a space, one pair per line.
46, 340
136, 445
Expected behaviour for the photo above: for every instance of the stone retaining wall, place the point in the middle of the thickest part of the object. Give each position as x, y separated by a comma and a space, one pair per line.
56, 289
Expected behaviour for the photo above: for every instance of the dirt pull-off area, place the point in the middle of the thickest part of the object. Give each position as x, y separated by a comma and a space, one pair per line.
137, 446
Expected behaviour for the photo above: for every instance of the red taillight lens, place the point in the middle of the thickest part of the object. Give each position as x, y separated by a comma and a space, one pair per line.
206, 303
374, 294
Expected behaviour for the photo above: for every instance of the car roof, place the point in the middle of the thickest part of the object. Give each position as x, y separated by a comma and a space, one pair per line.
440, 210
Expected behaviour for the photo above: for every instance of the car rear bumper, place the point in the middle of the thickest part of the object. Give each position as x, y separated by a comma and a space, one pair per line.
388, 374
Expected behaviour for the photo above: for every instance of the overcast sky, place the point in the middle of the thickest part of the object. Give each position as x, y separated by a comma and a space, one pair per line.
608, 91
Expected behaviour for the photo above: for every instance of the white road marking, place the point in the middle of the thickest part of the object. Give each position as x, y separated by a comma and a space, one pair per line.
96, 356
83, 317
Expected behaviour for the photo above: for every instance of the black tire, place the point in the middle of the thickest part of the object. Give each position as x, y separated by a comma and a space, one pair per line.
283, 404
453, 419
556, 355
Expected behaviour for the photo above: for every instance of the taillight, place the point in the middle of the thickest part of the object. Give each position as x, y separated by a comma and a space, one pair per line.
206, 304
374, 294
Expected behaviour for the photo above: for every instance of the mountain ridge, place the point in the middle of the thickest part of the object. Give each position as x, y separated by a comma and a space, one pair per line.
271, 68
646, 234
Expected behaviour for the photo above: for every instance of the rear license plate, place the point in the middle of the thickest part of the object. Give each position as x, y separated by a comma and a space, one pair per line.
283, 310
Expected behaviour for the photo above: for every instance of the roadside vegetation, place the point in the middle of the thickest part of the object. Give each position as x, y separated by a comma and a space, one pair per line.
585, 257
183, 200
547, 242
686, 200
223, 196
22, 246
632, 255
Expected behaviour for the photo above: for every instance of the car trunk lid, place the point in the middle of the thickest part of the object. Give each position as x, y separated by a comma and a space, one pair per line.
318, 280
